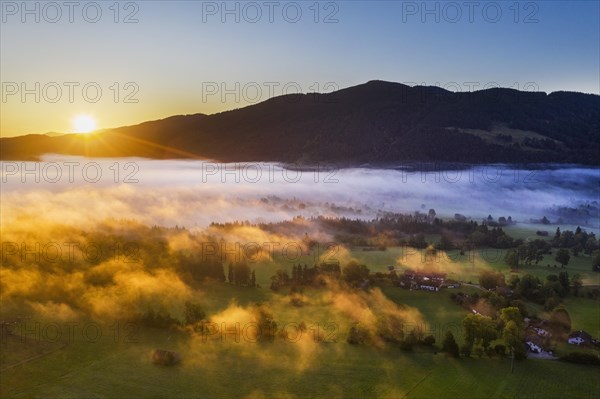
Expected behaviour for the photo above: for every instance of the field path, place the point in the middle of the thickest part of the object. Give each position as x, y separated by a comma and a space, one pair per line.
34, 357
417, 384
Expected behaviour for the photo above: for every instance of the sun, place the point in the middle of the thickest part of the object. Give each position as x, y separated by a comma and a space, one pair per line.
83, 124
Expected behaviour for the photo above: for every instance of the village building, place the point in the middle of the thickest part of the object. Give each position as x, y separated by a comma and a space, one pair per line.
579, 337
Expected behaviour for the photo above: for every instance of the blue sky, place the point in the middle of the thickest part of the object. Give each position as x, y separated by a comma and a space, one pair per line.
176, 49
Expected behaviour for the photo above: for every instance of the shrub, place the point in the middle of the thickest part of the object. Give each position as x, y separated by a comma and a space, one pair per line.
500, 350
429, 340
357, 335
581, 358
466, 350
449, 345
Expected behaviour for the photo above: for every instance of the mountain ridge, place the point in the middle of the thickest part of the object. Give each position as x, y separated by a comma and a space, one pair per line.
377, 122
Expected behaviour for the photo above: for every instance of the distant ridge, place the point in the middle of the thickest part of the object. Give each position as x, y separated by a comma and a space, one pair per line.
377, 123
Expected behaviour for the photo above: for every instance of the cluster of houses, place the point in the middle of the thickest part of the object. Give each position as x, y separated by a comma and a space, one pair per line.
427, 281
537, 337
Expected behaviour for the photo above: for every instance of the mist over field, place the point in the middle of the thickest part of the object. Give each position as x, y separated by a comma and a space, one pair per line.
321, 199
195, 193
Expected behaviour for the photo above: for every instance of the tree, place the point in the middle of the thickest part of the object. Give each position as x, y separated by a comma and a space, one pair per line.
563, 279
512, 336
449, 345
488, 332
445, 242
466, 350
529, 287
193, 313
514, 281
596, 262
514, 314
534, 251
280, 279
519, 304
417, 241
500, 350
562, 257
590, 245
512, 259
355, 273
221, 273
230, 273
431, 214
429, 340
358, 335
556, 239
241, 274
470, 329
267, 325
577, 284
490, 279
478, 328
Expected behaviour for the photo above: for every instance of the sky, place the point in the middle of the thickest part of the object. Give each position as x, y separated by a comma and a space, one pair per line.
122, 63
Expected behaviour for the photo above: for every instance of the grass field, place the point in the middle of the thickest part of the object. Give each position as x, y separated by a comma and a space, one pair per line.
108, 369
119, 365
439, 312
585, 315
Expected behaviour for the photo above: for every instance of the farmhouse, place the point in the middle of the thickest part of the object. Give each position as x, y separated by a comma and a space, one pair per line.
430, 287
579, 337
428, 281
533, 347
540, 328
534, 343
541, 332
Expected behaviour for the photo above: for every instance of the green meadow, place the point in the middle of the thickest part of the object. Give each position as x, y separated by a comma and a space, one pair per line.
229, 369
117, 363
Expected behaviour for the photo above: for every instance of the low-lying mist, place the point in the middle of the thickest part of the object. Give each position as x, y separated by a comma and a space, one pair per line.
191, 193
125, 240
